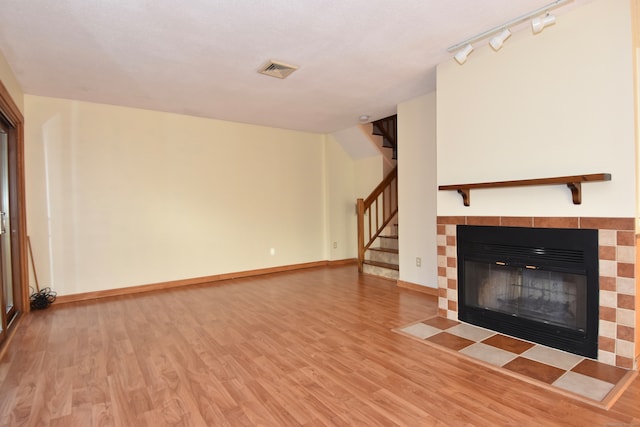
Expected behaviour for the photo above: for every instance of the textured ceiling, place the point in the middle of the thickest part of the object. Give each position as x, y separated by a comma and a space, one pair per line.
200, 57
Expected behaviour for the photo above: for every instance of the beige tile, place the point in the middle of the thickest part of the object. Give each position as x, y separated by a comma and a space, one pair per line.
553, 357
606, 357
489, 354
450, 229
626, 317
625, 349
473, 333
626, 285
452, 294
442, 303
421, 330
607, 329
452, 252
607, 237
609, 299
626, 254
608, 268
583, 385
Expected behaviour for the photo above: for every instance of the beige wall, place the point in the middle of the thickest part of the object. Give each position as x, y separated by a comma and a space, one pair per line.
119, 197
417, 190
341, 199
8, 79
553, 104
369, 173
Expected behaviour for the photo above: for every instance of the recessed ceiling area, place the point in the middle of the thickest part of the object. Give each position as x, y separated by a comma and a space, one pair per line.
201, 57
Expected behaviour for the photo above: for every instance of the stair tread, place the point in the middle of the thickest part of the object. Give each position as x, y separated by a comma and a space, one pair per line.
389, 236
388, 250
383, 265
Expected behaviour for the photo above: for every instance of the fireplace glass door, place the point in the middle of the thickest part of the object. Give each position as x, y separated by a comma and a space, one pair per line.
538, 284
549, 297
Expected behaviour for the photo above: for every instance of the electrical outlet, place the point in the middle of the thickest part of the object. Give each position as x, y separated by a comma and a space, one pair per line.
335, 245
418, 262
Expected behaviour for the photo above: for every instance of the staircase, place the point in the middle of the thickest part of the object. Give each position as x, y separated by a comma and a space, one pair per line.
378, 213
387, 128
382, 258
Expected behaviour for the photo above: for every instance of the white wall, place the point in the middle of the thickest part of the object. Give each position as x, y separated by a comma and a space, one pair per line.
119, 197
553, 104
417, 190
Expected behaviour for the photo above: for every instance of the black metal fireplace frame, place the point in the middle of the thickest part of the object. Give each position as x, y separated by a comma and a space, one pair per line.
553, 249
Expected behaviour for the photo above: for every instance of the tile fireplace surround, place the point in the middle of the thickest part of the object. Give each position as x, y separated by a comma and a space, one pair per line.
617, 328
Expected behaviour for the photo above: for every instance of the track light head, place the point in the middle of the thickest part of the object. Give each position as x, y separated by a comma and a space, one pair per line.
461, 56
540, 23
502, 32
497, 41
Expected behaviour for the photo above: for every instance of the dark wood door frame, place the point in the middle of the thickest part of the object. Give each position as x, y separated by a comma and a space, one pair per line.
18, 227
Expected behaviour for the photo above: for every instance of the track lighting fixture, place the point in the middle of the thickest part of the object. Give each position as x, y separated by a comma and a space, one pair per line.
539, 24
461, 56
496, 42
502, 32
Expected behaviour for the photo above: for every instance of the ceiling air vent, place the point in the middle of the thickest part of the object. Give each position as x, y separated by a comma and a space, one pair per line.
277, 69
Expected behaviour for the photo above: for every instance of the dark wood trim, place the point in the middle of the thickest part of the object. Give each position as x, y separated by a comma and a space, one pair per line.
13, 115
419, 288
130, 290
573, 182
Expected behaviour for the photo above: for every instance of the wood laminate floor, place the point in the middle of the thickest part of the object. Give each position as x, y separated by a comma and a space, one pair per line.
306, 348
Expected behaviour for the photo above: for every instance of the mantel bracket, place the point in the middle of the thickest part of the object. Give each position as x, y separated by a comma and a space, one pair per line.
466, 195
576, 192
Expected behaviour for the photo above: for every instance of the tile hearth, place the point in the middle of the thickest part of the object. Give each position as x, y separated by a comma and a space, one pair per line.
618, 247
591, 381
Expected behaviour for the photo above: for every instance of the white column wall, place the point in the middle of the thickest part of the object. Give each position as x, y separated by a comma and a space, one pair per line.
417, 190
553, 104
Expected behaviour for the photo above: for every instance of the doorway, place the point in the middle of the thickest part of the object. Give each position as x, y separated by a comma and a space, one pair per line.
9, 286
14, 292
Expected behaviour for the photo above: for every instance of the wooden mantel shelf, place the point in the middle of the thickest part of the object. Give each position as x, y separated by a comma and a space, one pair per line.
573, 182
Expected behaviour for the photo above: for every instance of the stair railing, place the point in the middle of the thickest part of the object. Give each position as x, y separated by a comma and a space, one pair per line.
379, 209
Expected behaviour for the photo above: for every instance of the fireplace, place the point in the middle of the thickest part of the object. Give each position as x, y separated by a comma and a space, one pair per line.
538, 284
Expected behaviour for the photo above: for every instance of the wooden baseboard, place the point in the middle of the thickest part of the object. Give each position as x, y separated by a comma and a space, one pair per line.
64, 299
419, 288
